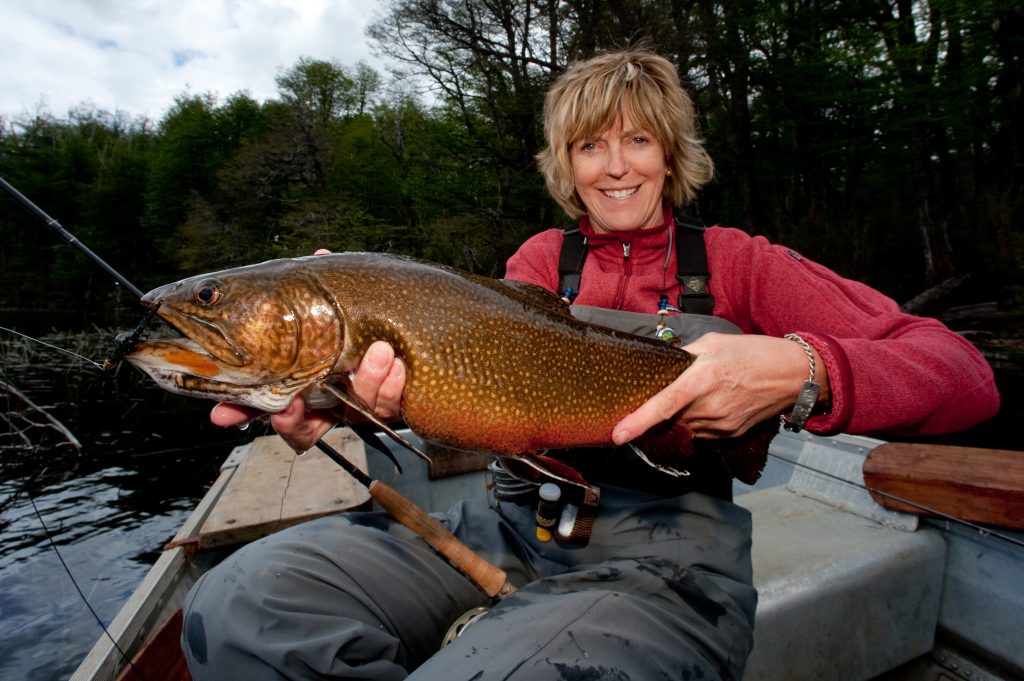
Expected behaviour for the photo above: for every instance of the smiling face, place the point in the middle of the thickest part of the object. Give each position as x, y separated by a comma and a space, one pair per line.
619, 176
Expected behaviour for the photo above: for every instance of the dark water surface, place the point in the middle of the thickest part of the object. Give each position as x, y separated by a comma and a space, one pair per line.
146, 458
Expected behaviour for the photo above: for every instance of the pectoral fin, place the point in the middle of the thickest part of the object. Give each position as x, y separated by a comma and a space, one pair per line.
365, 431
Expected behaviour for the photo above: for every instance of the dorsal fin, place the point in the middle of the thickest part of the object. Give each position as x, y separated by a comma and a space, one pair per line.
537, 296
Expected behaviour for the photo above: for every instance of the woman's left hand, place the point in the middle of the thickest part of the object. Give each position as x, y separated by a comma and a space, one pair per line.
735, 382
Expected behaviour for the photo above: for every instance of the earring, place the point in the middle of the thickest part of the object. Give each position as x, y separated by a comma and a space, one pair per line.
669, 172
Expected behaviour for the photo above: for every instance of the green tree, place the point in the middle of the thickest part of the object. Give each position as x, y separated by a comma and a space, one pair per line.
489, 65
197, 138
88, 172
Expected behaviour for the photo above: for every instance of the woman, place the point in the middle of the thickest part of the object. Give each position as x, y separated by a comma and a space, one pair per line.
664, 585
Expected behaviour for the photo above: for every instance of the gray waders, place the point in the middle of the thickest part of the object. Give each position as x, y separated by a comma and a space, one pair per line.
662, 590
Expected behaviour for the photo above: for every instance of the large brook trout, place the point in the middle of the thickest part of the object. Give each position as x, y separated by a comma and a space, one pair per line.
492, 365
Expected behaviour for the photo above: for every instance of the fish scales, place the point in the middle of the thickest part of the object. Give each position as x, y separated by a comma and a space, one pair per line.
494, 366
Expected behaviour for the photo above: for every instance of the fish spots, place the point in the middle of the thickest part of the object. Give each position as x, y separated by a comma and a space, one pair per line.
196, 363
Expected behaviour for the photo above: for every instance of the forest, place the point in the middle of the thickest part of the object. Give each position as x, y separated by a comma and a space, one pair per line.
884, 139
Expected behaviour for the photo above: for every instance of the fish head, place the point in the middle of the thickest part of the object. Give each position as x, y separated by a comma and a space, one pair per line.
255, 335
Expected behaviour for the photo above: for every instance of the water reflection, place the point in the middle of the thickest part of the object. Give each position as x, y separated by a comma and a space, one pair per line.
147, 456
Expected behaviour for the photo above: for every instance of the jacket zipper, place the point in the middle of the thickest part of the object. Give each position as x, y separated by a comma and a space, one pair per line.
627, 270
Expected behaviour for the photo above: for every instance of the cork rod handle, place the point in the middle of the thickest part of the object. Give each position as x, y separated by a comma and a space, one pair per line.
491, 579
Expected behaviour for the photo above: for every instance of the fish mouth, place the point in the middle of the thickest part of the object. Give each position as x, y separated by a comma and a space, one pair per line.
186, 367
187, 357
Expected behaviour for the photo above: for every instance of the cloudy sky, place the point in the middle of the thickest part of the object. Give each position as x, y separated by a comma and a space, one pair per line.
135, 56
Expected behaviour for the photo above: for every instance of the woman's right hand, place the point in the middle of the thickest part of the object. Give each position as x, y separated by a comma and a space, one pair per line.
378, 382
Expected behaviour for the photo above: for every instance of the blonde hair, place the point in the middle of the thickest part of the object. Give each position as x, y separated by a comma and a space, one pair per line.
587, 99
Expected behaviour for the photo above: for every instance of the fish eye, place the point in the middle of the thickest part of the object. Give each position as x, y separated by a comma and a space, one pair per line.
206, 294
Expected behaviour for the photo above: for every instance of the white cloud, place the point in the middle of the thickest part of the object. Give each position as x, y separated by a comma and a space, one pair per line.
137, 56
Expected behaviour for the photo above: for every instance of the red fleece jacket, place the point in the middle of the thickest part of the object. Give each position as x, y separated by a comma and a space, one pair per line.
889, 372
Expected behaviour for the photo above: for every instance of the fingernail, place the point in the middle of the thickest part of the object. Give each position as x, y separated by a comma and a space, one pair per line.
621, 435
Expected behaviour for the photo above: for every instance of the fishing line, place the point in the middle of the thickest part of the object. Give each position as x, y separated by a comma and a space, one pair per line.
53, 347
124, 344
27, 489
70, 239
980, 529
74, 582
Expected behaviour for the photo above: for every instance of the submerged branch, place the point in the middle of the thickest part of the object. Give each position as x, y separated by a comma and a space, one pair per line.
49, 420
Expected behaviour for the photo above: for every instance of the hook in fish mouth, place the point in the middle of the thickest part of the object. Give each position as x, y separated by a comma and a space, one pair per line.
125, 342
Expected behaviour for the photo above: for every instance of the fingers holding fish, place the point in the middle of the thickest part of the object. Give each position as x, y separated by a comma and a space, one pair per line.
663, 406
378, 383
736, 382
299, 427
227, 415
380, 380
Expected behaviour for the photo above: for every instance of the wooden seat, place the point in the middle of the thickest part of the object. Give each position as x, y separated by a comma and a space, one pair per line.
274, 488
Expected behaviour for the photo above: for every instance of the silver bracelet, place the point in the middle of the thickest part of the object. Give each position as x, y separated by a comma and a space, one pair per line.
808, 397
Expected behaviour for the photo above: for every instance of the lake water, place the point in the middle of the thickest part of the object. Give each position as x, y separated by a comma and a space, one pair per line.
146, 458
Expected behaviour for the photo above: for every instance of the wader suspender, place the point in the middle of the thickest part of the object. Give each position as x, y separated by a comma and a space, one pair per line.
691, 265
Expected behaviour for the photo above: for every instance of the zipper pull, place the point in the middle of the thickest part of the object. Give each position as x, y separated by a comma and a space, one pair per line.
625, 250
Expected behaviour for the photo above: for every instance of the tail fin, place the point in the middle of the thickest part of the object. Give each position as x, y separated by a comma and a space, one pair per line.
668, 444
747, 454
671, 442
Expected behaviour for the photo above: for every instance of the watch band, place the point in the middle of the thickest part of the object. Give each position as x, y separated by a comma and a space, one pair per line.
809, 391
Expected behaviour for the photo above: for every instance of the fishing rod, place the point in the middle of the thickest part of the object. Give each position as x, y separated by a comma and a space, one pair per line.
488, 577
123, 342
67, 237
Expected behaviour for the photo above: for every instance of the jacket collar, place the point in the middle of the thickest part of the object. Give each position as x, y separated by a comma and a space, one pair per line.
650, 237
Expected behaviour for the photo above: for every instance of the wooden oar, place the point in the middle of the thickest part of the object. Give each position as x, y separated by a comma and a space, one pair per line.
977, 485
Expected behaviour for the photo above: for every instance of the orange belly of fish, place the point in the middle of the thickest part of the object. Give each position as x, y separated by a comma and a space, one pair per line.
508, 434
